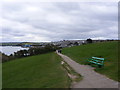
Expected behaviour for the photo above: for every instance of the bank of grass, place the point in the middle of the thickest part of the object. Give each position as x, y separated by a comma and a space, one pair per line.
41, 71
108, 50
73, 75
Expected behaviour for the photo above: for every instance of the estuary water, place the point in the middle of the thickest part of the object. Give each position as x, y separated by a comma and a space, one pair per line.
11, 49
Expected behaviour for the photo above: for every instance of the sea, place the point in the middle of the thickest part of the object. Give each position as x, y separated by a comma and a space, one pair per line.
11, 49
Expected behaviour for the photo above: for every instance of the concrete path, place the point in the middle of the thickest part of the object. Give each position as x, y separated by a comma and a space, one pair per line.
91, 79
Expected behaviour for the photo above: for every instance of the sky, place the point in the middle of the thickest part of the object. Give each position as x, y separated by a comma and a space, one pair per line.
54, 21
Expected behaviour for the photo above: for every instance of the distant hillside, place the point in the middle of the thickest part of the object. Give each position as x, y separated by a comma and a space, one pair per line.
108, 50
17, 43
41, 71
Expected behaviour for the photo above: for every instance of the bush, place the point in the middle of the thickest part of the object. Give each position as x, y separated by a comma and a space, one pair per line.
4, 57
32, 51
89, 40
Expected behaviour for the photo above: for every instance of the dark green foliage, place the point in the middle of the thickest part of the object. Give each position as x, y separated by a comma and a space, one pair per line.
21, 53
5, 58
69, 44
89, 40
76, 43
39, 50
32, 51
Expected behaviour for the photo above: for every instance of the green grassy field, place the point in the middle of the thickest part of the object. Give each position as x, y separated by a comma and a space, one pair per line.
41, 71
108, 50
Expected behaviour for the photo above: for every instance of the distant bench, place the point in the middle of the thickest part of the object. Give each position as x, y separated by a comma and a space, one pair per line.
97, 60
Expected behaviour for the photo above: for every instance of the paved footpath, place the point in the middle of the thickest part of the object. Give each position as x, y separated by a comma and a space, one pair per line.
91, 79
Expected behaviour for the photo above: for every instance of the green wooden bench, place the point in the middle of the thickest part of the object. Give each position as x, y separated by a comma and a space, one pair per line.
97, 60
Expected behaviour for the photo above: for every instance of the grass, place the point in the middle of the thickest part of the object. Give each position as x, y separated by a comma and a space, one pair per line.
75, 77
41, 71
108, 50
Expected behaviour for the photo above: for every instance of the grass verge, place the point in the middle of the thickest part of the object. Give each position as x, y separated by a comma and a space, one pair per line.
40, 71
108, 50
74, 76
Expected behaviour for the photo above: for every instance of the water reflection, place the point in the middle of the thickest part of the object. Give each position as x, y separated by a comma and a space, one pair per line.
11, 49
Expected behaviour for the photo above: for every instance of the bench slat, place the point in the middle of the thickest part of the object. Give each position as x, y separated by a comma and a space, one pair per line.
98, 58
97, 61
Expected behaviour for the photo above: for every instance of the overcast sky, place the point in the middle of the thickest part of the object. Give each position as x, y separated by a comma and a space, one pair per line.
53, 21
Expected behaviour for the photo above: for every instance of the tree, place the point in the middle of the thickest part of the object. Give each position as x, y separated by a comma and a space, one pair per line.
76, 43
11, 56
89, 40
4, 57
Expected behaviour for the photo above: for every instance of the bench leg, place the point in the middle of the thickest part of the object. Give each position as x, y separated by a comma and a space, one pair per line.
89, 63
99, 66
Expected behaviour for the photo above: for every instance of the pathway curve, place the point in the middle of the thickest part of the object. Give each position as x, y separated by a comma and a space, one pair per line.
91, 79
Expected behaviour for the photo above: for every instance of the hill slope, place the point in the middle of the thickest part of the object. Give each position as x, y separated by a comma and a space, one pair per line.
41, 71
108, 50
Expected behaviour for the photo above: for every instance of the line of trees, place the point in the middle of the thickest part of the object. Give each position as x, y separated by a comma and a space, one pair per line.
29, 52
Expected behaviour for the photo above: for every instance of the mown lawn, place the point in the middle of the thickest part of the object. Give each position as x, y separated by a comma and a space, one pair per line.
108, 50
41, 71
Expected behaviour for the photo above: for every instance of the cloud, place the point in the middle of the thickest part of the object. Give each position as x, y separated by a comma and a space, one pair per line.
52, 21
